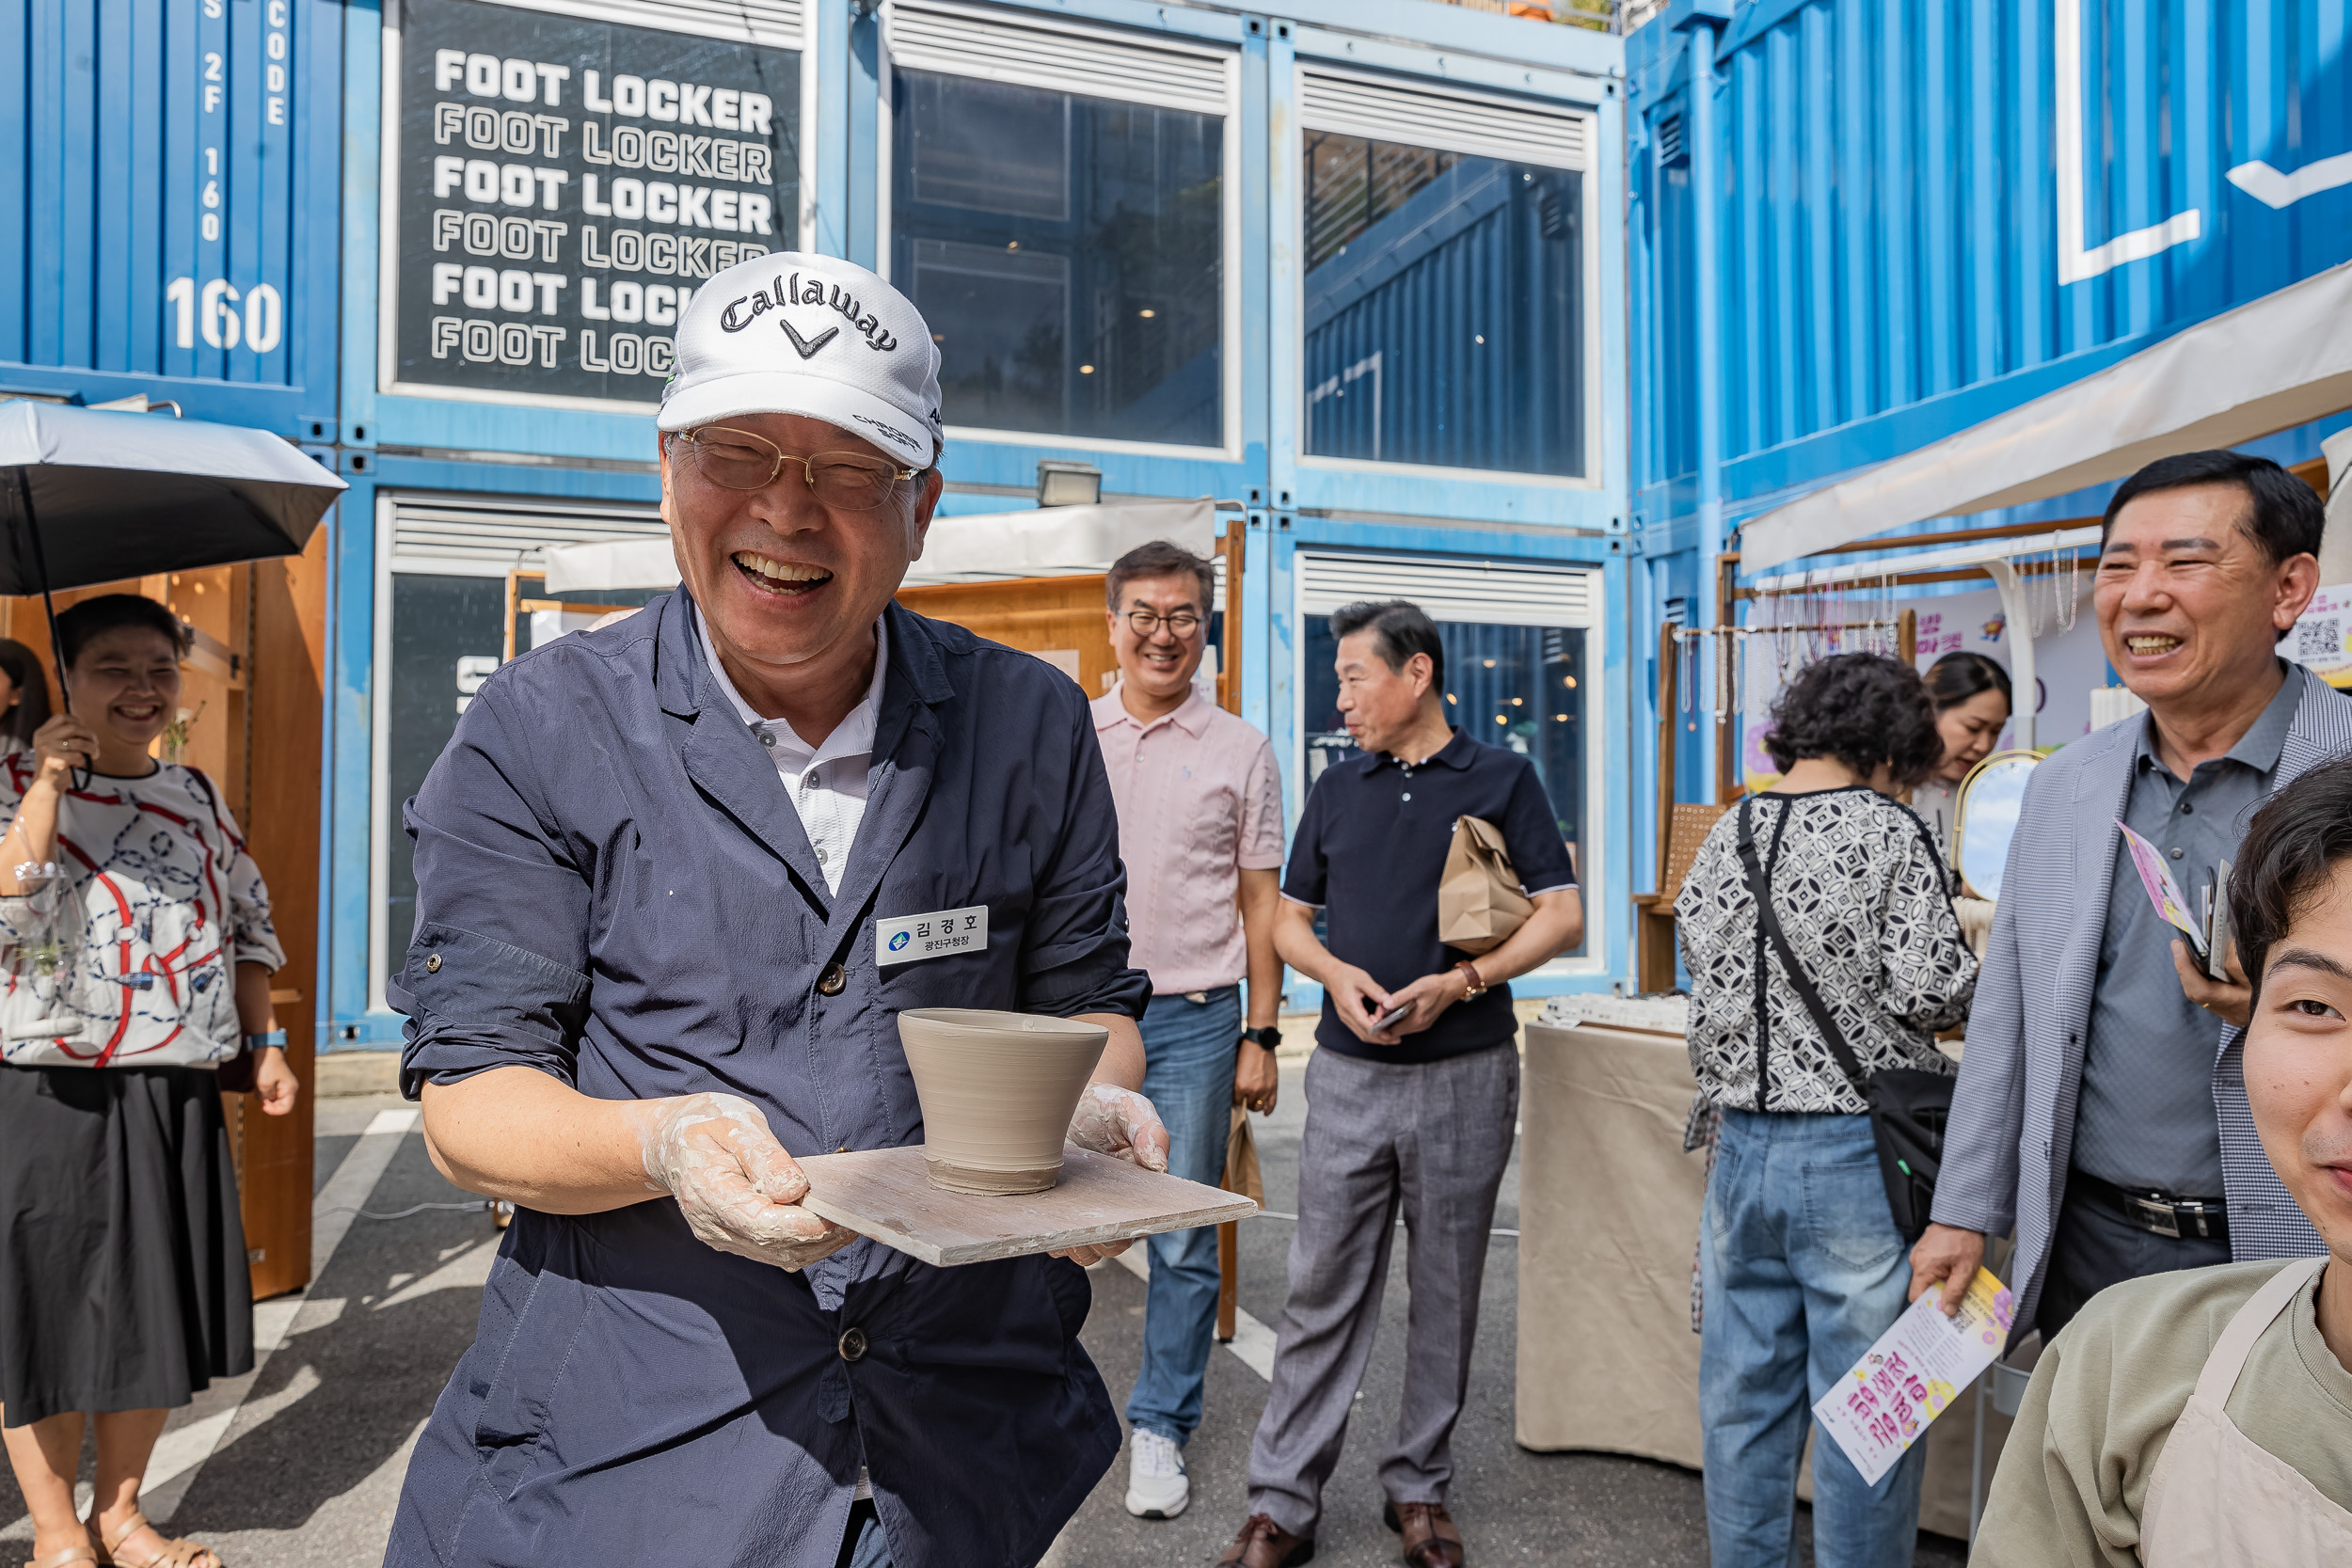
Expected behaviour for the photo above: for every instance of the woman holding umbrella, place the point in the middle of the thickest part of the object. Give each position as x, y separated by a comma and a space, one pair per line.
135, 951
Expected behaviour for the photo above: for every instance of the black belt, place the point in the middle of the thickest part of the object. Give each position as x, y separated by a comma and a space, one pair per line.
2192, 1219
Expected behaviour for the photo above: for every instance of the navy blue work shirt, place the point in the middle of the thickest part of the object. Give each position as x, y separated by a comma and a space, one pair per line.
612, 888
1370, 851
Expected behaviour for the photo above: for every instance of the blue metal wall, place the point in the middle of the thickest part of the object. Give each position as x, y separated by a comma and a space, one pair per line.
173, 164
1919, 219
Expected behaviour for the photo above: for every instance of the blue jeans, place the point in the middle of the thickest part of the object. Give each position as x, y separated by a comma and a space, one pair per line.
1802, 1270
1188, 1077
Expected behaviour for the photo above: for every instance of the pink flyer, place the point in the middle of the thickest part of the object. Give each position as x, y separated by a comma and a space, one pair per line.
1913, 1373
2163, 890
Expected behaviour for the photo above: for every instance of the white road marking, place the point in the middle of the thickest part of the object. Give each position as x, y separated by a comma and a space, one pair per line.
280, 1319
469, 1271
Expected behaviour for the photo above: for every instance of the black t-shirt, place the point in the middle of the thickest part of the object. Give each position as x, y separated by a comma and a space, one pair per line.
1370, 851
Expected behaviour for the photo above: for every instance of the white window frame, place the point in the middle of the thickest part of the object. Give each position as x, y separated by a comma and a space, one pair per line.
696, 17
1230, 390
1592, 849
1294, 222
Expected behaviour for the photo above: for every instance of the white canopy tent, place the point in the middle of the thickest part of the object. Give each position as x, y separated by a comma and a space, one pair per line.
2283, 360
1052, 540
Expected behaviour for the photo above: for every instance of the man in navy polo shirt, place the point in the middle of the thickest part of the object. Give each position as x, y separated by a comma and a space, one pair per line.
1413, 1093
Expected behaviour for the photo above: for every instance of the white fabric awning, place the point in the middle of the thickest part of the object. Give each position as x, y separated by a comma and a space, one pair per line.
2278, 362
1049, 541
611, 563
1059, 540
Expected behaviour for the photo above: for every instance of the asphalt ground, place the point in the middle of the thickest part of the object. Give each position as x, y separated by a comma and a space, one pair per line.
306, 1470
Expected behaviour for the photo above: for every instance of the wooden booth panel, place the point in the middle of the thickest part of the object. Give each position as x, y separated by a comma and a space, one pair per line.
251, 704
1055, 618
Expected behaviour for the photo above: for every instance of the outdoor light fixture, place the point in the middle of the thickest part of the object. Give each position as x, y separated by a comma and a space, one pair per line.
1061, 484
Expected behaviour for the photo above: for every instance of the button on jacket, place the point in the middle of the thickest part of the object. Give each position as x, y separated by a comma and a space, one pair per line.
620, 895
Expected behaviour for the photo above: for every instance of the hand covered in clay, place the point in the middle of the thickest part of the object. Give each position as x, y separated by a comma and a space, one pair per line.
1122, 1124
738, 1188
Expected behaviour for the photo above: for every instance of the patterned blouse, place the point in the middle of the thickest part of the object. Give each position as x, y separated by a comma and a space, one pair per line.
126, 955
1861, 896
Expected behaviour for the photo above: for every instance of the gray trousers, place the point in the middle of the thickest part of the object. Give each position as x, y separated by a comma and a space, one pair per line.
1431, 1139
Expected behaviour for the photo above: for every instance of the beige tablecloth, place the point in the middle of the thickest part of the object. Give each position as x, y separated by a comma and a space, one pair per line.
1609, 1219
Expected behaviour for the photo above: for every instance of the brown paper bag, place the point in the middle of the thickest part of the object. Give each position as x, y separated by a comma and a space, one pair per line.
1479, 901
1241, 1160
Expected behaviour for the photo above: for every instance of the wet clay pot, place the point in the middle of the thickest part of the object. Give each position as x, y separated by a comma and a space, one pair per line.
997, 1091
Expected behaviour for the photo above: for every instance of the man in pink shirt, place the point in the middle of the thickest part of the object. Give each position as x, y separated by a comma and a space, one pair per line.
1201, 829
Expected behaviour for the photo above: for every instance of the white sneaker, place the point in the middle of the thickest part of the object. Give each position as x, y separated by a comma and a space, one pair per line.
1157, 1487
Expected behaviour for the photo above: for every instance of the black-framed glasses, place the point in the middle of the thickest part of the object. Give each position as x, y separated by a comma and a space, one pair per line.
845, 481
1145, 623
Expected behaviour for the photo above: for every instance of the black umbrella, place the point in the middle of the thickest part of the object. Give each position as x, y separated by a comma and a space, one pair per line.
98, 495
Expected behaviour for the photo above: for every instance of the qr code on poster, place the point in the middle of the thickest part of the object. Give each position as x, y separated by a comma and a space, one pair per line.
2318, 638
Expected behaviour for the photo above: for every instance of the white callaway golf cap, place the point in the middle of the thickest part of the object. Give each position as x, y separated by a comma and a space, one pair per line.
793, 333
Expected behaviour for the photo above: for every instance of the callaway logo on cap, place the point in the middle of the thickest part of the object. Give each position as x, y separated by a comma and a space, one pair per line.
813, 335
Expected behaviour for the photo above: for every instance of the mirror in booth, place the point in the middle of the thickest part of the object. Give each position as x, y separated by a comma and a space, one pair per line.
1989, 798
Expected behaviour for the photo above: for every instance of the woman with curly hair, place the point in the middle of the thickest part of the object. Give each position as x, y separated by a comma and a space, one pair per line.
1800, 1261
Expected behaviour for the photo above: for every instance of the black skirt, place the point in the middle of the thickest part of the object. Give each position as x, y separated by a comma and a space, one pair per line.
124, 1282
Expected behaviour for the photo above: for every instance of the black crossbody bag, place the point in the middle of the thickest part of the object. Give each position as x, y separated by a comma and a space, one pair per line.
1909, 1106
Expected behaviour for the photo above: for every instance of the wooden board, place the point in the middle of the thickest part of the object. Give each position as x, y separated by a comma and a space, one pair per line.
886, 1193
1038, 615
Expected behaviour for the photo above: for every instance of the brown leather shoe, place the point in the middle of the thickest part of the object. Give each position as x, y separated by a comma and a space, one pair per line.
1430, 1539
1264, 1543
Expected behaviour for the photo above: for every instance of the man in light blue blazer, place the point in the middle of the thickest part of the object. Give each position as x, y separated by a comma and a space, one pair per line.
2101, 1109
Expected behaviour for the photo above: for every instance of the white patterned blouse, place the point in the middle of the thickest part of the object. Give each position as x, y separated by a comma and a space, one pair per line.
1861, 896
126, 955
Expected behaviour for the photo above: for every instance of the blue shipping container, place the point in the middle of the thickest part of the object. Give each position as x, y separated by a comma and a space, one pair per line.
1927, 214
174, 169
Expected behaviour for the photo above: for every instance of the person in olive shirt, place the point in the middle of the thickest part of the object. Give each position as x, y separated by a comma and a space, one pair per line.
2204, 1416
1412, 1092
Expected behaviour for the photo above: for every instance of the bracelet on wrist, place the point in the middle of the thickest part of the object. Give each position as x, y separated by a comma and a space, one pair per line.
260, 1042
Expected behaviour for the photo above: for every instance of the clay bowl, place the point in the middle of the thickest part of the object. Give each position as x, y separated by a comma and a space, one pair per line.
997, 1091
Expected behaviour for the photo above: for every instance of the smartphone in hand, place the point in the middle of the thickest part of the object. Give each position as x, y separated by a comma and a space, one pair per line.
1391, 1015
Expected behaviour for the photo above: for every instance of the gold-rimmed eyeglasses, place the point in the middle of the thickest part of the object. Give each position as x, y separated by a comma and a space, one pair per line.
1145, 623
845, 481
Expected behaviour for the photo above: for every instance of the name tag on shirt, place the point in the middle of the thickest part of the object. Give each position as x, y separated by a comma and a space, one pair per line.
929, 936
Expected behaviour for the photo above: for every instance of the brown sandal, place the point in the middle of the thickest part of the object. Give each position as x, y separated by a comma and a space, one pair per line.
178, 1552
60, 1558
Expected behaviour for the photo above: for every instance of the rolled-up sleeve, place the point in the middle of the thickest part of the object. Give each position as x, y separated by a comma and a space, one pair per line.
1262, 813
1074, 948
497, 970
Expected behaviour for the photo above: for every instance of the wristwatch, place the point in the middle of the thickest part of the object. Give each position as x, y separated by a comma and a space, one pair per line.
262, 1042
1268, 1036
1469, 973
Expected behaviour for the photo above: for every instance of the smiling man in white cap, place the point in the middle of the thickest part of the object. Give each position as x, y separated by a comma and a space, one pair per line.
659, 869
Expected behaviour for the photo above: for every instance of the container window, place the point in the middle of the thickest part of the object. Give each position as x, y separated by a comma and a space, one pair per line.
1068, 252
1519, 688
1444, 307
446, 635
